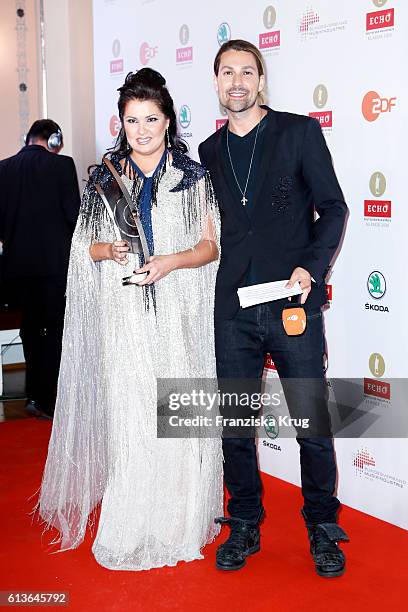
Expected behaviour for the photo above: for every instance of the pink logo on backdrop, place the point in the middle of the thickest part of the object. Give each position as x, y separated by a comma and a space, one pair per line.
309, 18
147, 53
114, 125
363, 458
219, 123
116, 66
269, 40
185, 54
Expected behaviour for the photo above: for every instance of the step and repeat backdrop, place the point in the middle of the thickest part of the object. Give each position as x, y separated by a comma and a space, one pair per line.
343, 63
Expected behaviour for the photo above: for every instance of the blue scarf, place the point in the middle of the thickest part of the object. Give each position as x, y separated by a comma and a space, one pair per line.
145, 200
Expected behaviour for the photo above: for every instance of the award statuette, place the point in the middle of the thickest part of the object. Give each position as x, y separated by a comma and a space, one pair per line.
126, 222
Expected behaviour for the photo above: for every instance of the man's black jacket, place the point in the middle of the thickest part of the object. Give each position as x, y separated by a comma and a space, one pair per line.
39, 204
295, 179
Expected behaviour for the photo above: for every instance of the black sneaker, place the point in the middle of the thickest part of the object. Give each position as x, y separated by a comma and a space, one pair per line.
329, 559
244, 540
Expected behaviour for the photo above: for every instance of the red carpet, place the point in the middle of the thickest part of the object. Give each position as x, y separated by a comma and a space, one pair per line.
281, 577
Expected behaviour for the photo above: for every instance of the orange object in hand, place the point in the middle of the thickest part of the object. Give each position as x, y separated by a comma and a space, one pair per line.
294, 320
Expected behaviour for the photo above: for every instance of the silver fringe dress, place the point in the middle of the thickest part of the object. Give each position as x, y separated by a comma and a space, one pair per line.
158, 497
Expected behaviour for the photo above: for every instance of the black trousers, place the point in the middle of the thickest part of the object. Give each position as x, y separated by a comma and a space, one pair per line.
42, 303
241, 345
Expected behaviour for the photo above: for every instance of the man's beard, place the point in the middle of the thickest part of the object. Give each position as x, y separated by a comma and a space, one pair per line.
247, 104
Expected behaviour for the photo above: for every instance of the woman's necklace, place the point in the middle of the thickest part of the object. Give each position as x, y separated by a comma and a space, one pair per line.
244, 199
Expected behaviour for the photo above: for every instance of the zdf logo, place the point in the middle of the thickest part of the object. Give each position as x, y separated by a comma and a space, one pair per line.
146, 53
373, 105
114, 125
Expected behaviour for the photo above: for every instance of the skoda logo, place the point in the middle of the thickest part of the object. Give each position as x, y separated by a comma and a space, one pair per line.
184, 116
223, 33
271, 427
376, 285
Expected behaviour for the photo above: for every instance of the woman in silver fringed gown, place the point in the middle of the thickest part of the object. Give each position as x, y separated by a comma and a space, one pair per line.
159, 497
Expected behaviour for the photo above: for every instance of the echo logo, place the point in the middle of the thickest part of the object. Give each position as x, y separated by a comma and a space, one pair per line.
116, 66
380, 19
184, 54
320, 97
269, 40
373, 105
269, 363
376, 388
376, 208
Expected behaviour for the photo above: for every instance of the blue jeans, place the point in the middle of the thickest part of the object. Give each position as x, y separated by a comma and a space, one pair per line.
241, 345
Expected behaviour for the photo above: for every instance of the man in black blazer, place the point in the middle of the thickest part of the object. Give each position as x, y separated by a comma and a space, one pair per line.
271, 171
39, 205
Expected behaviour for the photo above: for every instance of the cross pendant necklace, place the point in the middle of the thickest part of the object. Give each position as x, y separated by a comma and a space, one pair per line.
244, 199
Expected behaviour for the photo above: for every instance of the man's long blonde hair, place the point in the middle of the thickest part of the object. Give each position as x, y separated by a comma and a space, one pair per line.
243, 45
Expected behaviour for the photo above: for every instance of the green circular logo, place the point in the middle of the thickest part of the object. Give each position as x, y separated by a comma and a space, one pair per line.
271, 426
376, 285
184, 116
223, 33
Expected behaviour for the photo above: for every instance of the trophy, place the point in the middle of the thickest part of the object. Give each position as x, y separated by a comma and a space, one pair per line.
126, 221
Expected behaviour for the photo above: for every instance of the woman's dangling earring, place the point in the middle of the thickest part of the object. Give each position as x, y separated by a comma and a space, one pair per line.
128, 149
168, 138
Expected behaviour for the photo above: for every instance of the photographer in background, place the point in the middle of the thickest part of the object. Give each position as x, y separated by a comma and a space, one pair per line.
39, 205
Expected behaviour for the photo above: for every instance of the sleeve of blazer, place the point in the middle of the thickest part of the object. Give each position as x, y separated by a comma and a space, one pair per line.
71, 199
319, 175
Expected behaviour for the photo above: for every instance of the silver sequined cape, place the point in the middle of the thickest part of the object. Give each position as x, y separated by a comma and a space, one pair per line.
158, 497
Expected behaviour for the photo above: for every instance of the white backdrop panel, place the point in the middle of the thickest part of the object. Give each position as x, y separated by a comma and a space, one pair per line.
316, 42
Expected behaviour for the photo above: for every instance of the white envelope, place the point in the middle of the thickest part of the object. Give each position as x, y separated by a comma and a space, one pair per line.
266, 292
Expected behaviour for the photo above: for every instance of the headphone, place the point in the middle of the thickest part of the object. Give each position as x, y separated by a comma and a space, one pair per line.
55, 140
